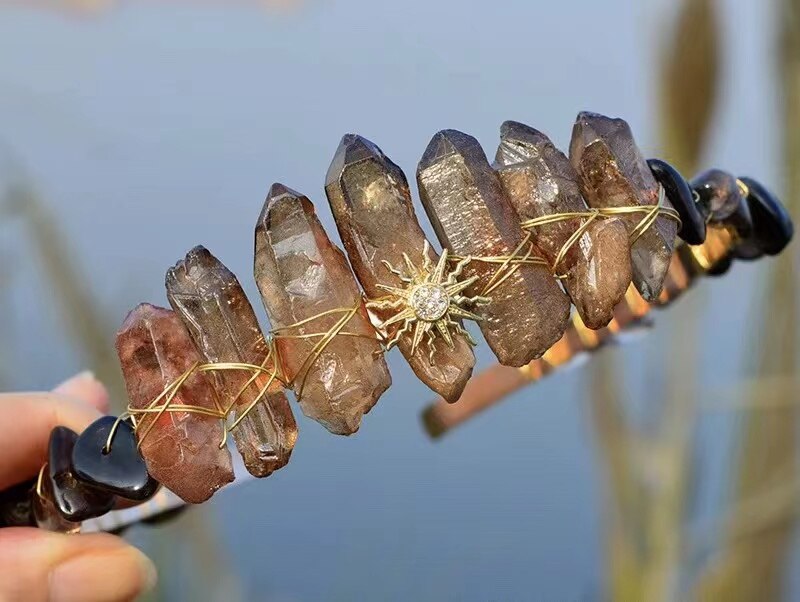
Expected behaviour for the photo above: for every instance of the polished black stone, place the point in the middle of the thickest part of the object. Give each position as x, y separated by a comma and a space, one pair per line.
120, 470
15, 506
72, 498
772, 225
693, 224
721, 201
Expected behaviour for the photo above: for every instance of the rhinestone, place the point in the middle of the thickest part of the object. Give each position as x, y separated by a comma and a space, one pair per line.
430, 302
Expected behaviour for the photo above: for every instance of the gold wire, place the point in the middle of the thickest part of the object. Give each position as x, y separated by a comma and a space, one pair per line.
744, 189
652, 213
165, 401
113, 431
510, 263
222, 413
39, 479
325, 339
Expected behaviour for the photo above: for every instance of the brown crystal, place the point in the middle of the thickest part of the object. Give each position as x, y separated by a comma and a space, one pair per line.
221, 321
182, 448
613, 173
539, 181
302, 275
473, 217
372, 205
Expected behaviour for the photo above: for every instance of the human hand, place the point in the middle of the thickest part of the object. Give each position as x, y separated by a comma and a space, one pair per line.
40, 565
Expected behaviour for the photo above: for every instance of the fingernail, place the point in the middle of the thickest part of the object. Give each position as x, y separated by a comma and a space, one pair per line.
110, 575
86, 375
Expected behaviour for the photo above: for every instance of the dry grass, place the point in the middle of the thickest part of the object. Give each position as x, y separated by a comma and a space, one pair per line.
649, 546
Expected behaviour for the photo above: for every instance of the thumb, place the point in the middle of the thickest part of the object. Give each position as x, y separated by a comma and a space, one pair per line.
37, 565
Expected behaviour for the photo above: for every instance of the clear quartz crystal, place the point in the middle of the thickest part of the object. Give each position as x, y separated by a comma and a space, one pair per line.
613, 173
221, 321
540, 181
181, 449
304, 278
371, 201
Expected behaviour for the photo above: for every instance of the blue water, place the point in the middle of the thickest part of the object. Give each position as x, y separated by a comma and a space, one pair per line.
155, 126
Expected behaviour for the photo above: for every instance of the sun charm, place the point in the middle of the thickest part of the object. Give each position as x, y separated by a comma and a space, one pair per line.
428, 302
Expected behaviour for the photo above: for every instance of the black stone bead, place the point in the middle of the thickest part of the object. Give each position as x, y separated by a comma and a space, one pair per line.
721, 201
120, 470
772, 225
693, 224
73, 499
16, 509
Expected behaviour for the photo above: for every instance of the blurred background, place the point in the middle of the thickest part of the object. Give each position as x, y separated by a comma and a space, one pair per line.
664, 469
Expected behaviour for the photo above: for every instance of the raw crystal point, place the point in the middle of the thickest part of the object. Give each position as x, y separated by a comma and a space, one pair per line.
182, 449
220, 319
539, 180
473, 217
372, 205
300, 275
613, 173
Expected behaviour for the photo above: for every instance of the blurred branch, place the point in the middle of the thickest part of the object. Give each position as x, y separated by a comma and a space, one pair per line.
752, 566
86, 322
623, 515
690, 84
648, 478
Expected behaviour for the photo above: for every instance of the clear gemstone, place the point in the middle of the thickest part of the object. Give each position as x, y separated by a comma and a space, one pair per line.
430, 302
301, 275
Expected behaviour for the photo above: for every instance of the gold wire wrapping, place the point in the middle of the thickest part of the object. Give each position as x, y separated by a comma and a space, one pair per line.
165, 401
511, 263
651, 214
325, 339
39, 478
523, 254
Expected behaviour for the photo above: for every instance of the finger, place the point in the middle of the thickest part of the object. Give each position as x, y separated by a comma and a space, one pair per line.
40, 565
26, 420
85, 387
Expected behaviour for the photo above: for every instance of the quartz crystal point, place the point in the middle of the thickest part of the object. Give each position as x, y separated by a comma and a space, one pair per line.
181, 449
613, 173
221, 321
539, 181
372, 205
472, 216
302, 275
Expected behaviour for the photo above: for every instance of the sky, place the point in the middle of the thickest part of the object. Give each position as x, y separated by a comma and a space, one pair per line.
155, 126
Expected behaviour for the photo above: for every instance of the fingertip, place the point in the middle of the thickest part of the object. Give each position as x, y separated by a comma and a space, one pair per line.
119, 572
52, 566
85, 387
